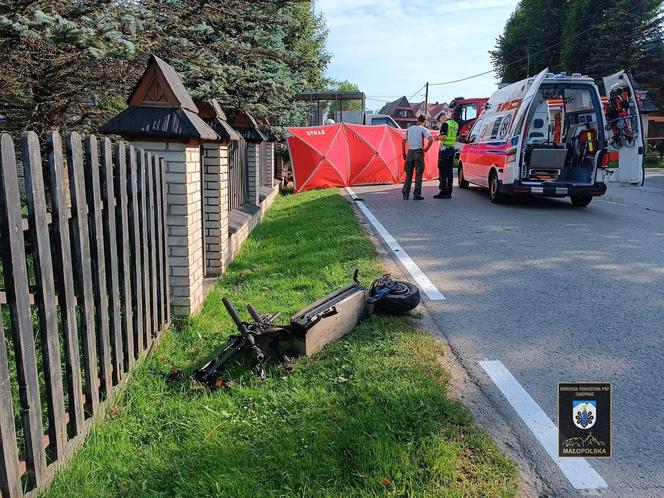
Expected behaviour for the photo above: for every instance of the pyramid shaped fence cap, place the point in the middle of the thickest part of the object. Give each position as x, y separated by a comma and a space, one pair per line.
160, 107
160, 86
211, 112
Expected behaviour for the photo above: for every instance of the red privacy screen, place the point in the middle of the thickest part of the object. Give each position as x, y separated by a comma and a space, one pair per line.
342, 155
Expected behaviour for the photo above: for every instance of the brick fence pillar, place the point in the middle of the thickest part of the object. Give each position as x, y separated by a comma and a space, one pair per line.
279, 166
215, 210
269, 165
253, 160
185, 222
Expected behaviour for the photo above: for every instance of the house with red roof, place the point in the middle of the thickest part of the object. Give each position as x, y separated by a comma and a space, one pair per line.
401, 111
433, 110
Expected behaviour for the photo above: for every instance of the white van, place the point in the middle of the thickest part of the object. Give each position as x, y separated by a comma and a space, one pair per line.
380, 119
552, 135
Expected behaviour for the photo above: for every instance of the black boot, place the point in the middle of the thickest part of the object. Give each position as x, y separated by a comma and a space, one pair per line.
439, 195
406, 195
418, 197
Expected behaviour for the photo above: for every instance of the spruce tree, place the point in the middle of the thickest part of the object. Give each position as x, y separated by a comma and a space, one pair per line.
65, 64
255, 55
72, 64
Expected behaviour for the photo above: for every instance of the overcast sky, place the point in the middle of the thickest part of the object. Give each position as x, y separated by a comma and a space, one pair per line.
391, 48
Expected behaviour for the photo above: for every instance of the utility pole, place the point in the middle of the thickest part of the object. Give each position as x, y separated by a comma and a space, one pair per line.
426, 102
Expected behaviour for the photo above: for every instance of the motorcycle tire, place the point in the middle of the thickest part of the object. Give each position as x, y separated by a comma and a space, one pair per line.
404, 299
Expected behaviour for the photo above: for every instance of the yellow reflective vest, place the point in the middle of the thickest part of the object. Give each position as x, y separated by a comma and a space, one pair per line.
452, 130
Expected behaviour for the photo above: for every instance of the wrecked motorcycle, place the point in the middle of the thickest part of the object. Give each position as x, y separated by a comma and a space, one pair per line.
326, 320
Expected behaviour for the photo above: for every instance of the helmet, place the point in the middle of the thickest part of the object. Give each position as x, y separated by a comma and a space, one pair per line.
443, 113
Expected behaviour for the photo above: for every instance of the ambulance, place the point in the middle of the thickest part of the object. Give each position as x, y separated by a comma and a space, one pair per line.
553, 135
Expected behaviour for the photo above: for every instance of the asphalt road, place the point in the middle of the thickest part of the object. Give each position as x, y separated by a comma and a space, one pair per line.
555, 293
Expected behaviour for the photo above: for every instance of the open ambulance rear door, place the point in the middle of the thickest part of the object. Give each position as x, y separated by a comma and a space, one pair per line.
520, 120
624, 127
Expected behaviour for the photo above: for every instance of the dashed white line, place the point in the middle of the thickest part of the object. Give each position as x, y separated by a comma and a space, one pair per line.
634, 206
615, 203
577, 470
422, 280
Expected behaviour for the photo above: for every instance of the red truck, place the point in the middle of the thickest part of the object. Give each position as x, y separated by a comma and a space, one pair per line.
465, 112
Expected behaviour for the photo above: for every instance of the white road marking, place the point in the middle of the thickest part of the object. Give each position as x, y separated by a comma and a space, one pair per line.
577, 470
422, 280
615, 203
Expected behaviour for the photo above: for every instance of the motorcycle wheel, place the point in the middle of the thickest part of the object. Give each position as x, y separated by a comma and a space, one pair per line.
405, 298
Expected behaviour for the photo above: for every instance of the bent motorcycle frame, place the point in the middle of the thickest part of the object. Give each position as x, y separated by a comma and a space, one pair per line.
327, 320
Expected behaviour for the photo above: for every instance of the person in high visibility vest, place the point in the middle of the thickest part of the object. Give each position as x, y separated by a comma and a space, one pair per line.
448, 137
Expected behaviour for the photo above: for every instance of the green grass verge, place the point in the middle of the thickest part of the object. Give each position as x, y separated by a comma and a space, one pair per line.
368, 416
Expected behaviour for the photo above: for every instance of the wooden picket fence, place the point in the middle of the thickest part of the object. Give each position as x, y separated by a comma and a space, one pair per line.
83, 292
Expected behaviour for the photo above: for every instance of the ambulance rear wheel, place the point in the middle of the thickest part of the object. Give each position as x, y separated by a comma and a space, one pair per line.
463, 183
494, 192
581, 201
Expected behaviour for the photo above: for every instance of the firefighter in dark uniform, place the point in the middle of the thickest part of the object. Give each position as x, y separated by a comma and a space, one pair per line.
448, 137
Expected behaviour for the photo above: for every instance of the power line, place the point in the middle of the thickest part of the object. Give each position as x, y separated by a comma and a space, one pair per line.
578, 33
418, 91
530, 54
462, 79
383, 97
